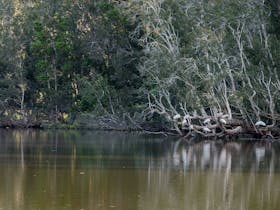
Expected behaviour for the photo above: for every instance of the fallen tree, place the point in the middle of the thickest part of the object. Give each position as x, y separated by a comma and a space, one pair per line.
211, 68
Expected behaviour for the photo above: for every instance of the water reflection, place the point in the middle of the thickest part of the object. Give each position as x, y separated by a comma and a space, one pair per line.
100, 170
223, 156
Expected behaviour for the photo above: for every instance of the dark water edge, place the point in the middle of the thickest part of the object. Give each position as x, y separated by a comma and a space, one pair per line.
127, 143
113, 123
80, 169
149, 131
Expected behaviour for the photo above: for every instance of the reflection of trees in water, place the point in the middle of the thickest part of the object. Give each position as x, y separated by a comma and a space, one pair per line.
211, 190
217, 156
216, 175
94, 171
105, 149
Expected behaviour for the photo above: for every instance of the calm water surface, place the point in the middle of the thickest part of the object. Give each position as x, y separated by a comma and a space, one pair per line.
82, 170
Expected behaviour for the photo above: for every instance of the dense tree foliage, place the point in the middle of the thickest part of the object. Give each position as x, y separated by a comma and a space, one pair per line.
212, 67
204, 66
62, 57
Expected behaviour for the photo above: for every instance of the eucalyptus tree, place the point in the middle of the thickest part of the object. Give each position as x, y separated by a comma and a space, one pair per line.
212, 69
53, 56
13, 75
112, 53
80, 57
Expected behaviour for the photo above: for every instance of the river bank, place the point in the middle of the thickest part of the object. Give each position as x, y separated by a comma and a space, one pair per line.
106, 123
88, 122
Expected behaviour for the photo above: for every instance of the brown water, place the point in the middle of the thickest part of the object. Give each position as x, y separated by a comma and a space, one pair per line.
57, 170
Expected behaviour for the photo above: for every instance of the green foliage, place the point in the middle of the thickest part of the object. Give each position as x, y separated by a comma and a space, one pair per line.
75, 58
274, 7
202, 55
104, 57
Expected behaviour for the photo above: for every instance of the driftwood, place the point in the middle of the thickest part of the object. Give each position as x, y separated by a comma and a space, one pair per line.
213, 92
218, 126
